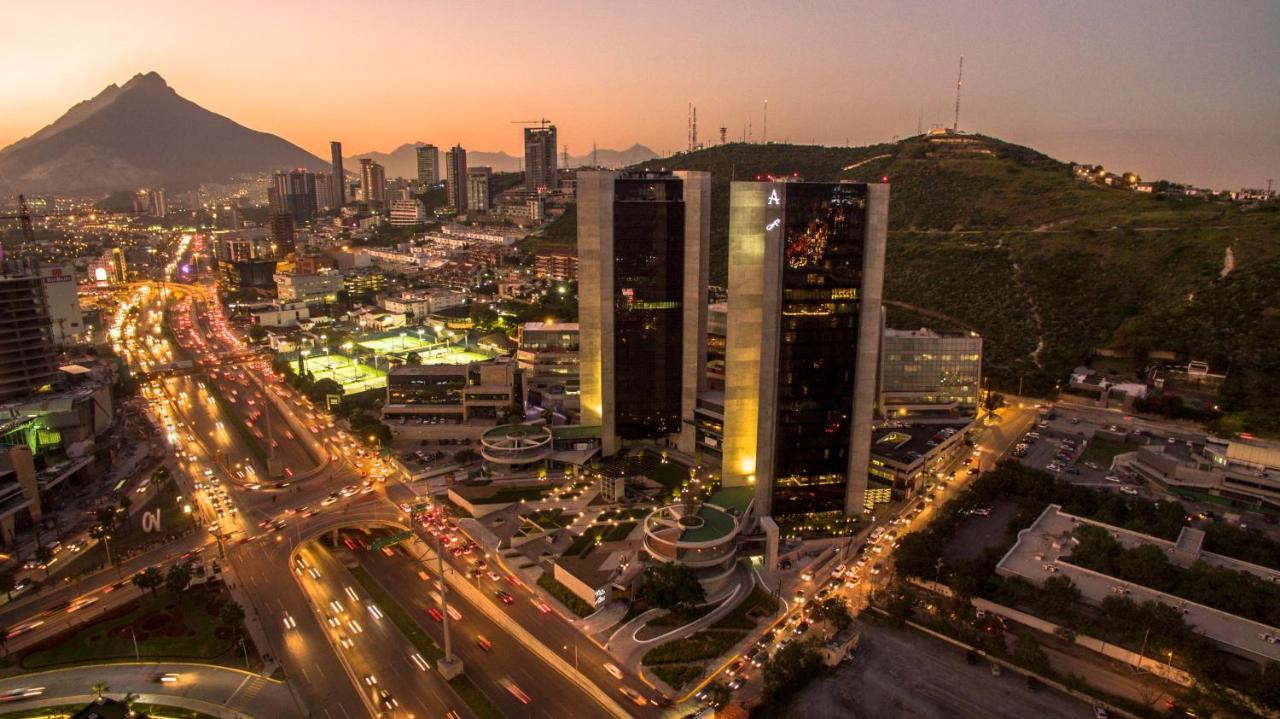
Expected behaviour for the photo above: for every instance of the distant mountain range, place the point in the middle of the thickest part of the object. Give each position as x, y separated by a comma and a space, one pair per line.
139, 134
403, 161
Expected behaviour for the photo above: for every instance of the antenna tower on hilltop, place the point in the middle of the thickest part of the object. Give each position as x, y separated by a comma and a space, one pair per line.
959, 82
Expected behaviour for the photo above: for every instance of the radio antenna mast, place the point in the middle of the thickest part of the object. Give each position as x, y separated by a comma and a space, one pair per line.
959, 82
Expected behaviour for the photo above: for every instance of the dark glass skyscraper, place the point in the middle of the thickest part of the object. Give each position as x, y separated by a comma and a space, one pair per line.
335, 150
806, 266
642, 301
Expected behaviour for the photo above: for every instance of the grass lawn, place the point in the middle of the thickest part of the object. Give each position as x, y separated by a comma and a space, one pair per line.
1103, 451
757, 600
705, 645
184, 626
566, 597
426, 646
678, 675
514, 494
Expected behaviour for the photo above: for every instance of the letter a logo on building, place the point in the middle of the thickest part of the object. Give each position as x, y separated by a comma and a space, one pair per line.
773, 198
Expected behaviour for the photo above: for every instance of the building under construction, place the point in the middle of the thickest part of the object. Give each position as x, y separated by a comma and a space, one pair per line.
28, 360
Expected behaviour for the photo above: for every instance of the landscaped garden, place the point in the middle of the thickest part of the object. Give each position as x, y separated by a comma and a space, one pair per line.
167, 625
565, 596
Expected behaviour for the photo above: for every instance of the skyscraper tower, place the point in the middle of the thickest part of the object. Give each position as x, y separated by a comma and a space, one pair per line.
540, 158
428, 165
373, 182
643, 246
335, 151
806, 272
455, 166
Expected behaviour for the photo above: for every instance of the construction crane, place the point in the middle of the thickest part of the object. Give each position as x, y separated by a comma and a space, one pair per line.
540, 122
24, 221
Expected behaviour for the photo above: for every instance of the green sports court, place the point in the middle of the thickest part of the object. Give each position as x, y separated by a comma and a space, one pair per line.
354, 377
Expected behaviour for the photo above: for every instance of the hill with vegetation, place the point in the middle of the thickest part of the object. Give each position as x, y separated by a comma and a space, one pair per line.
1048, 268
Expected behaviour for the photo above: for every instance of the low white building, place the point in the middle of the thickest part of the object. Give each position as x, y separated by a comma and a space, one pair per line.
287, 315
423, 303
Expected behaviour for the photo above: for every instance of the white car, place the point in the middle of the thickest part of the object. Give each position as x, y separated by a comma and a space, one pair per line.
1129, 490
613, 670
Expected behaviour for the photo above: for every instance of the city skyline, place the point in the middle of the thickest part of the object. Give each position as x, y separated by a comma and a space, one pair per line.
1092, 84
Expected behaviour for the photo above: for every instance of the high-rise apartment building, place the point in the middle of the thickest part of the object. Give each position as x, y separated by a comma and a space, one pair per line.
930, 375
373, 182
27, 353
326, 192
455, 167
642, 289
295, 193
479, 180
339, 178
806, 271
540, 158
428, 165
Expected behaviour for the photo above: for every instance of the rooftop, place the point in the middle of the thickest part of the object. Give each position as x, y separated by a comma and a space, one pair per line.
908, 443
716, 523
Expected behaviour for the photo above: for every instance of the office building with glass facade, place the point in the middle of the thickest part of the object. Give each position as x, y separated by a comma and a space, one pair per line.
806, 272
927, 375
642, 294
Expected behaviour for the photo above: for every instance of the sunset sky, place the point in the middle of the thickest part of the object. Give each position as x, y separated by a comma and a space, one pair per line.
1180, 90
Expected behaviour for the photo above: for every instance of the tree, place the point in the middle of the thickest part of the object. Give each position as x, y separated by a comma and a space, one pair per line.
106, 517
99, 689
916, 555
833, 610
789, 669
257, 333
149, 578
464, 456
718, 694
7, 584
1058, 596
993, 402
1265, 685
231, 614
322, 389
44, 555
413, 358
178, 578
671, 586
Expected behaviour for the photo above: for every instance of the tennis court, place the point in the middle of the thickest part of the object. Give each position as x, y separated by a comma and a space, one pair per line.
354, 377
401, 344
451, 355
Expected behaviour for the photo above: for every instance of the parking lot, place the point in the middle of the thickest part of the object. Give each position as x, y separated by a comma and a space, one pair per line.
1062, 448
900, 673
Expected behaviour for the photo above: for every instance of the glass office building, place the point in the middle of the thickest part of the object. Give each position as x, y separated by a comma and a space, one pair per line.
806, 267
930, 375
642, 301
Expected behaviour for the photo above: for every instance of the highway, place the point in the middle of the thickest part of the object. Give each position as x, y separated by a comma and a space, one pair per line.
260, 563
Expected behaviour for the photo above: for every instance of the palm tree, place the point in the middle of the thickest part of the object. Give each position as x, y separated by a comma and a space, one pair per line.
128, 702
98, 690
149, 578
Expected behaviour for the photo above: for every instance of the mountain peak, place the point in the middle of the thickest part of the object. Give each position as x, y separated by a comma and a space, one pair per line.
148, 79
141, 134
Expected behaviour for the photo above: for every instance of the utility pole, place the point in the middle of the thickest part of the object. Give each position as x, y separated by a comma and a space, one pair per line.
449, 666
